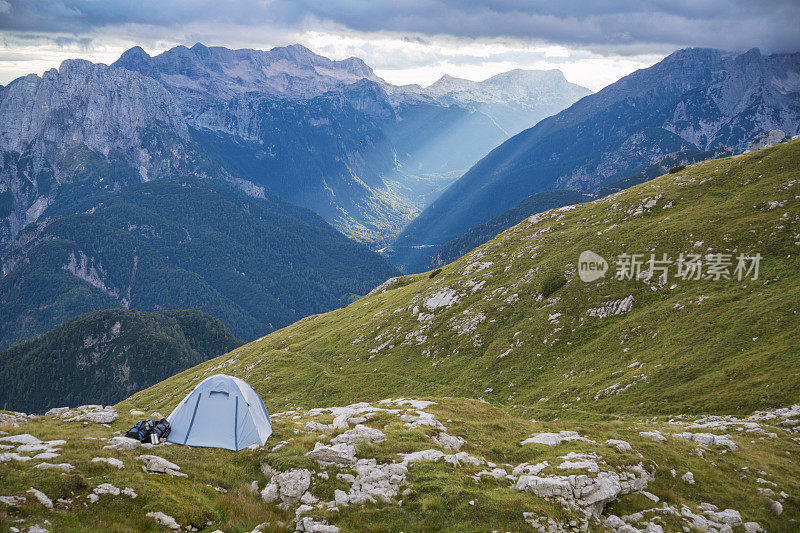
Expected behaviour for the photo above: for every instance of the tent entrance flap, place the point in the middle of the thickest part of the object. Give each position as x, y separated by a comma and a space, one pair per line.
221, 412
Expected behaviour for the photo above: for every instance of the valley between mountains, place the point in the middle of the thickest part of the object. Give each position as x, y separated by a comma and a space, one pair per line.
498, 392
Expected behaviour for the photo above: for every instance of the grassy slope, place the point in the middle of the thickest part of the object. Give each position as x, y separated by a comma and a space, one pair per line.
705, 346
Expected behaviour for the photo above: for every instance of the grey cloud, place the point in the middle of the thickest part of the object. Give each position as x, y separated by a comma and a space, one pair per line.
608, 27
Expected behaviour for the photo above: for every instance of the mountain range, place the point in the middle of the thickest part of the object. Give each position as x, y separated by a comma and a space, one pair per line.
125, 178
694, 99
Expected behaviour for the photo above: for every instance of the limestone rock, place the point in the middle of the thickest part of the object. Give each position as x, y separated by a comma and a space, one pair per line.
358, 434
341, 454
293, 483
270, 492
112, 461
24, 438
553, 439
106, 488
708, 439
589, 493
42, 497
66, 467
122, 443
654, 436
449, 442
154, 464
164, 520
620, 445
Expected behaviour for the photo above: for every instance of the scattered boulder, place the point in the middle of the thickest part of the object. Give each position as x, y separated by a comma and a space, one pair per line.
106, 488
358, 434
308, 524
270, 492
112, 461
728, 516
776, 507
164, 520
66, 467
553, 439
708, 439
23, 439
588, 493
13, 456
449, 442
421, 419
293, 483
46, 455
527, 468
373, 483
154, 464
315, 427
90, 413
341, 454
688, 477
422, 455
12, 501
654, 436
620, 445
42, 497
457, 459
122, 443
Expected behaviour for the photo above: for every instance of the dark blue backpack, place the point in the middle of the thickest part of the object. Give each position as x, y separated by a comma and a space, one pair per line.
141, 430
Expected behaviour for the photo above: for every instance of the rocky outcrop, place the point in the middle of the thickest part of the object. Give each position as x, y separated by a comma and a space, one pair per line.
585, 492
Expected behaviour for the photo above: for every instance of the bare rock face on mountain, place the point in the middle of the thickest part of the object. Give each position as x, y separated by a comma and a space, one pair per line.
765, 139
82, 122
516, 100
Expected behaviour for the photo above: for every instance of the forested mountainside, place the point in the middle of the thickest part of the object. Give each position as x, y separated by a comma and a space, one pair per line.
695, 99
256, 264
104, 356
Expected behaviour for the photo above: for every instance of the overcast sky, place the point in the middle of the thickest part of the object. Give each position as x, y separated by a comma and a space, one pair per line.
415, 41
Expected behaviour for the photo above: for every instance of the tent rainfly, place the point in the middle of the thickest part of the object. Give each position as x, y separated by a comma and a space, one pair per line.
221, 412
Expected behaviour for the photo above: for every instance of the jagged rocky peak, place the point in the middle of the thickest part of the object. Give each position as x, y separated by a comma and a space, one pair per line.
291, 71
84, 103
518, 86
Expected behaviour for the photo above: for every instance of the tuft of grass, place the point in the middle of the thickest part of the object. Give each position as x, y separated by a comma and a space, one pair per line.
551, 284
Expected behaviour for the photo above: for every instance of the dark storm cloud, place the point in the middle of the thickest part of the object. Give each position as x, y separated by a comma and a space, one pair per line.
613, 26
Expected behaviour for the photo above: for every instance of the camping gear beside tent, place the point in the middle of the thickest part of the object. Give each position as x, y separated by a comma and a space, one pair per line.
221, 412
141, 430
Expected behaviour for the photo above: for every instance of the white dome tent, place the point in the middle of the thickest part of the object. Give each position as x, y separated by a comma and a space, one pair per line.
221, 412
